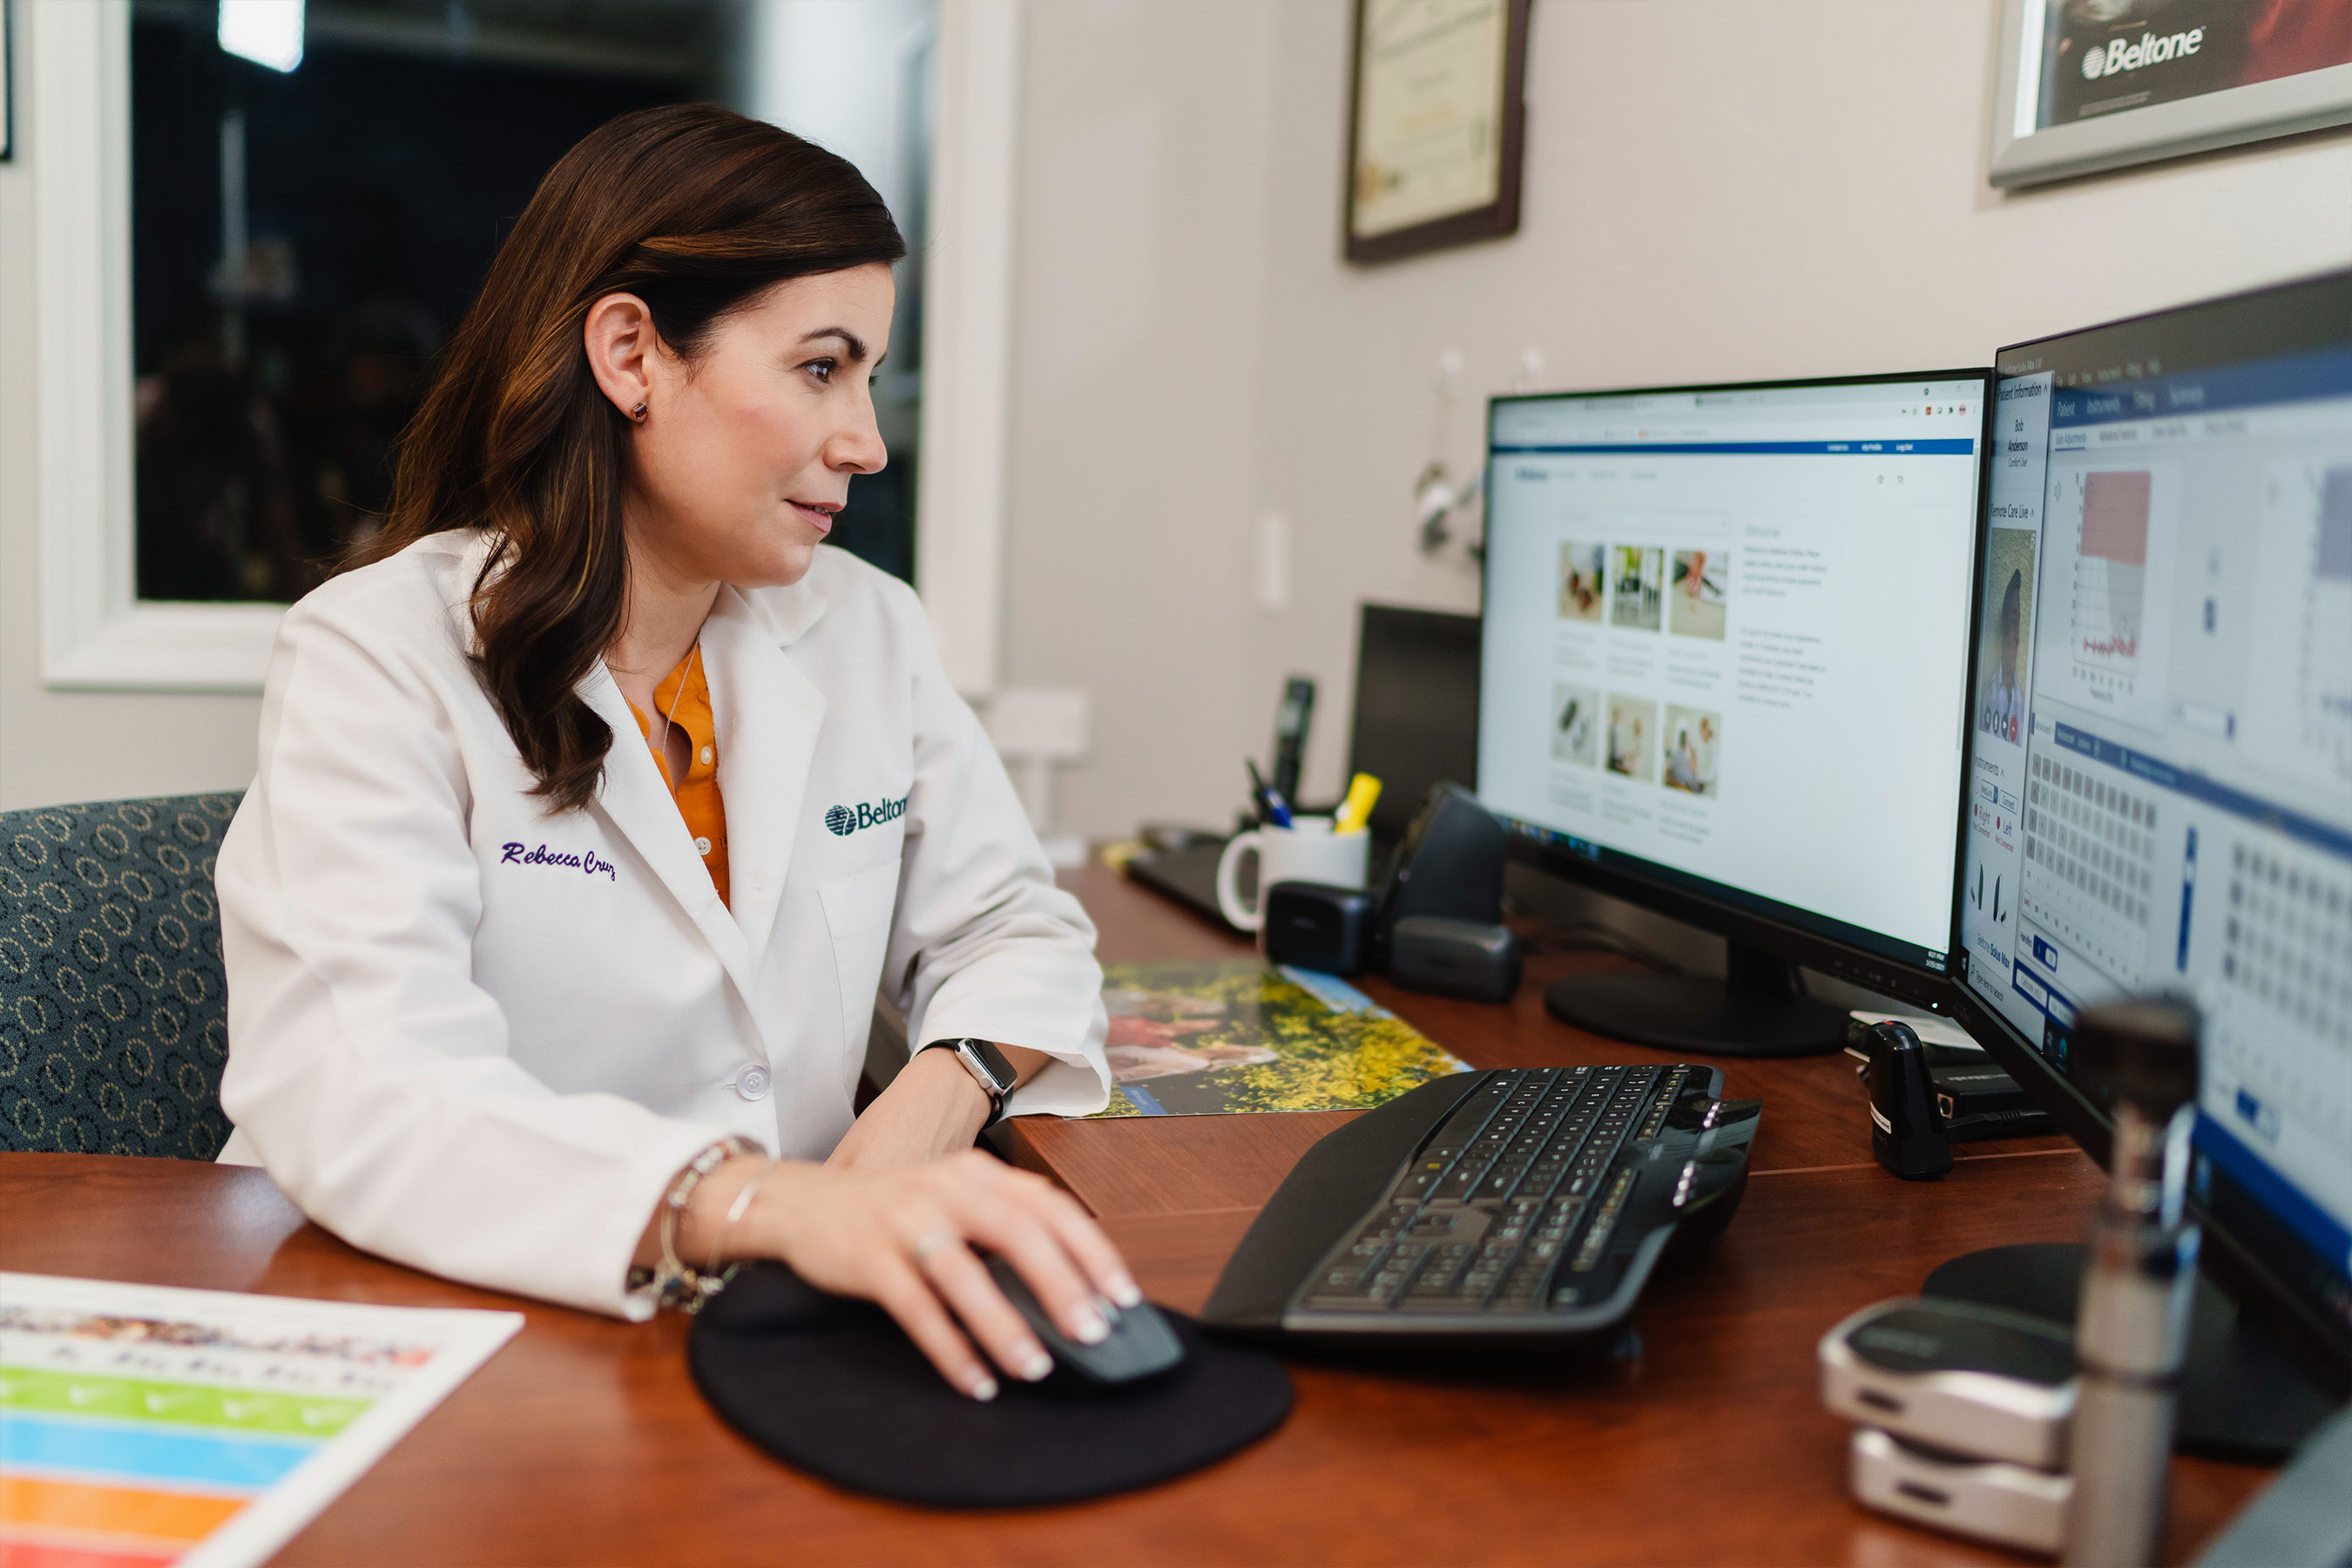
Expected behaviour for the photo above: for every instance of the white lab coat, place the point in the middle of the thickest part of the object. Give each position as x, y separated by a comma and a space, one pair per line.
480, 1039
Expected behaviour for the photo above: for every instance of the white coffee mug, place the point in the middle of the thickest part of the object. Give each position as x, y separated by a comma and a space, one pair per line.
1306, 851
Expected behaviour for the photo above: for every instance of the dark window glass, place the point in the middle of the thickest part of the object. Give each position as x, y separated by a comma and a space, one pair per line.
303, 242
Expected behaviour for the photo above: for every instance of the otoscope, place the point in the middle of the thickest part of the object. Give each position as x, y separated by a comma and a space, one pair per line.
2131, 1331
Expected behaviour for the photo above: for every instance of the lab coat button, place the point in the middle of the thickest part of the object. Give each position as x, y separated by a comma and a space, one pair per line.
752, 1083
702, 846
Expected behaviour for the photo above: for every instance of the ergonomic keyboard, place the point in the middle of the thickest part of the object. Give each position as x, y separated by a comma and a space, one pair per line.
1493, 1206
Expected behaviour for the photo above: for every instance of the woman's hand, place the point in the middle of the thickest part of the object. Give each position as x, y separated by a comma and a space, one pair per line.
932, 1109
903, 1237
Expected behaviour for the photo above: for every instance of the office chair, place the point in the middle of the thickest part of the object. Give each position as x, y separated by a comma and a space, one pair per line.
113, 1009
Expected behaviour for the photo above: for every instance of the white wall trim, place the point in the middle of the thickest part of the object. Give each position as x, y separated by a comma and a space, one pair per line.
967, 336
95, 635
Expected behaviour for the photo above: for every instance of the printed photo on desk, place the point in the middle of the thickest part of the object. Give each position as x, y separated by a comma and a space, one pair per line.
1231, 1036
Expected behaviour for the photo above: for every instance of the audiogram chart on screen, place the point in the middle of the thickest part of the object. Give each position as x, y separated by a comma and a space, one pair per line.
2111, 574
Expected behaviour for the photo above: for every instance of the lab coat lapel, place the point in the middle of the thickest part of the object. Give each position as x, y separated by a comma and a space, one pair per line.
638, 802
770, 716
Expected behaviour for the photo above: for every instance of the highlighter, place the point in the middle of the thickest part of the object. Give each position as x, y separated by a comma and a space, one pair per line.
1363, 790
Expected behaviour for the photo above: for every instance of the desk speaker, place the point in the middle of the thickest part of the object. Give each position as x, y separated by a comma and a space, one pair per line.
1450, 864
1454, 958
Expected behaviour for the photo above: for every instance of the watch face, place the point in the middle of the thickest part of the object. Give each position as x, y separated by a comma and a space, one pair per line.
989, 1064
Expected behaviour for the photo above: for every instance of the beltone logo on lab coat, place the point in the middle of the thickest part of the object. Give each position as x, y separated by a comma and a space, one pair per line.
847, 819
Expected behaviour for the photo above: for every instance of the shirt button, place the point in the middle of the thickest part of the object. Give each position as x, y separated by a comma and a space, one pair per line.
706, 756
702, 846
752, 1083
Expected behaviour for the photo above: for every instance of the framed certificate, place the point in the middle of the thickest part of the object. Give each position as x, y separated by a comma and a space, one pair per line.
1437, 122
2088, 84
7, 80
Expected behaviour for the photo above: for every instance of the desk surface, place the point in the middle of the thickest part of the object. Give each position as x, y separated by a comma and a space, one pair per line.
584, 1441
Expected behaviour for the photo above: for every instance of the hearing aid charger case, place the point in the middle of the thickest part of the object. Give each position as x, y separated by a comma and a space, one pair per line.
1956, 1376
1964, 1413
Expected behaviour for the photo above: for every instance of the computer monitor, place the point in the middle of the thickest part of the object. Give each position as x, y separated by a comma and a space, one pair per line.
2160, 746
1416, 719
1726, 639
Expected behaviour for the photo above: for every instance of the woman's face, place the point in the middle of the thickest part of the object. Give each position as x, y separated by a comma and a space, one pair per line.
746, 452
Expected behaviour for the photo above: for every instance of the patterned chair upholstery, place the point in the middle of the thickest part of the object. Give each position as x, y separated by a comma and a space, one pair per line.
113, 1009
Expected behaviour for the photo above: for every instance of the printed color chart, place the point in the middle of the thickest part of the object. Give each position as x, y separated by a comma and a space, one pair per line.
141, 1425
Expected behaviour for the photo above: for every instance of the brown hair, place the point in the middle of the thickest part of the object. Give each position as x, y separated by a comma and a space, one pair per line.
694, 209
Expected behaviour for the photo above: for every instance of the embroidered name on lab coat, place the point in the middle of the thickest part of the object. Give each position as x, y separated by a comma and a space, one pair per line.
585, 861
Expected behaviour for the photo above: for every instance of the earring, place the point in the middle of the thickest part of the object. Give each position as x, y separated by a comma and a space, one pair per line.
638, 414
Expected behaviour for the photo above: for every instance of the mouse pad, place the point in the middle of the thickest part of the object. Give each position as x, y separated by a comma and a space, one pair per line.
832, 1386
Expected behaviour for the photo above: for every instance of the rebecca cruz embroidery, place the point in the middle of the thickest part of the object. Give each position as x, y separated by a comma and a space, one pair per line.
584, 862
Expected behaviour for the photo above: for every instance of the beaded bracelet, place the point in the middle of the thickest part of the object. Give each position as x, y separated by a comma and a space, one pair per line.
673, 1283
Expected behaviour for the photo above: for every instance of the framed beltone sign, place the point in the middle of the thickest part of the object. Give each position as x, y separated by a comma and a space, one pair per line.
2088, 84
1436, 122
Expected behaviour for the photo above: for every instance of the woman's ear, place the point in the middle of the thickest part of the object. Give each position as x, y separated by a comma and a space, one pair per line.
622, 346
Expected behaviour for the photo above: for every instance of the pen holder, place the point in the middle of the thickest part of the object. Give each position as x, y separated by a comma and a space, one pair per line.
1306, 851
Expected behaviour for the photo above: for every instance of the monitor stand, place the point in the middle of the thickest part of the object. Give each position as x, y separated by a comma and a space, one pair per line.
2242, 1395
1758, 1009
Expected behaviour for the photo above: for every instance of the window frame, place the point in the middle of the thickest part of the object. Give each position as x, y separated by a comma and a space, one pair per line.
97, 635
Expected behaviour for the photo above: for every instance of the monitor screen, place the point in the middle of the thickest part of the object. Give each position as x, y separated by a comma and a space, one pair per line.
2160, 731
1726, 643
1416, 720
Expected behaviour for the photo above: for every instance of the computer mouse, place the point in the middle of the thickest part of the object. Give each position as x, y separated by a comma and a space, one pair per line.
1141, 1341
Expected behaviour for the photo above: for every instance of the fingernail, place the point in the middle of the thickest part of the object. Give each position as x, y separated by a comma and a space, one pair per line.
1087, 1326
1123, 1292
1035, 1365
983, 1388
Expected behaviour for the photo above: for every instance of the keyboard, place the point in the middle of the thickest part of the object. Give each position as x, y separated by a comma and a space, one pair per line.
1493, 1206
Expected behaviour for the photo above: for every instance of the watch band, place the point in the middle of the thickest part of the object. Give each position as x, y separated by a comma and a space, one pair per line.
989, 1067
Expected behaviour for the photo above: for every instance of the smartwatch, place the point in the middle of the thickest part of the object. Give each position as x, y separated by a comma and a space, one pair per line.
988, 1066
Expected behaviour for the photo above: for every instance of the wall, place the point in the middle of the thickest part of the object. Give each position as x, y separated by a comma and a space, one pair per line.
59, 745
1139, 265
1713, 191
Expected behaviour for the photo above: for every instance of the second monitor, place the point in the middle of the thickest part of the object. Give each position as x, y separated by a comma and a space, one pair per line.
1726, 647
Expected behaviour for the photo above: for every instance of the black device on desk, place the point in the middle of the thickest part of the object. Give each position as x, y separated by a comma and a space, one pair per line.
1415, 725
2159, 762
1290, 725
1725, 631
1522, 1208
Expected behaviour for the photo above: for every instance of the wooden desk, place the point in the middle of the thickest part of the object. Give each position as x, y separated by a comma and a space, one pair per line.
584, 1441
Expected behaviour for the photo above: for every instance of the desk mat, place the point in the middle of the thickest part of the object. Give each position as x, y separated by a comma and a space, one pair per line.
830, 1385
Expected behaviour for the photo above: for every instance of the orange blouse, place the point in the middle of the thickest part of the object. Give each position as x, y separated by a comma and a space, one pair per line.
697, 793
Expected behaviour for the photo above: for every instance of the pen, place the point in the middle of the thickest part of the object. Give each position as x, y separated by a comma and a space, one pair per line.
1258, 793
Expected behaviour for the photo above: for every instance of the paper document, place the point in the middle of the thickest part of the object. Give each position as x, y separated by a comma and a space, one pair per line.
143, 1424
1931, 1031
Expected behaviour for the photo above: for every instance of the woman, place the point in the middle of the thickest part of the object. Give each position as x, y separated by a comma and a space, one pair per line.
593, 810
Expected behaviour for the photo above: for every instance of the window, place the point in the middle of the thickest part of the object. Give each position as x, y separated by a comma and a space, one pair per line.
304, 240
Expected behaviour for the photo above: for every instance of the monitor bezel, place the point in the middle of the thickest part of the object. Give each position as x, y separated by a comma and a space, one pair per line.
1846, 960
2239, 1261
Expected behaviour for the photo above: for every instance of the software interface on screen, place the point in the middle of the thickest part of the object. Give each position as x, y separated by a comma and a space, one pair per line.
1725, 643
2161, 769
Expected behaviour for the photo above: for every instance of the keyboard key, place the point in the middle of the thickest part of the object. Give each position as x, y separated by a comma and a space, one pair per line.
1459, 1183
